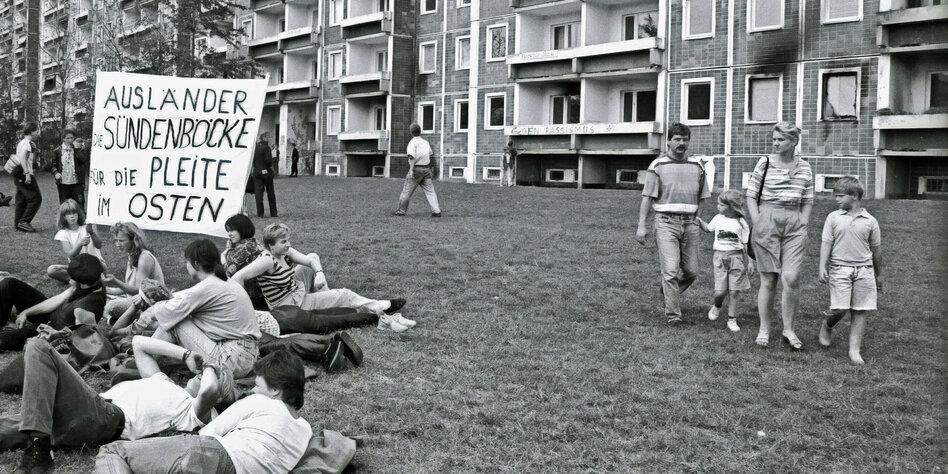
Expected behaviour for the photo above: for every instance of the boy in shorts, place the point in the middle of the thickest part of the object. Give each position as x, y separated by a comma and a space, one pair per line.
850, 263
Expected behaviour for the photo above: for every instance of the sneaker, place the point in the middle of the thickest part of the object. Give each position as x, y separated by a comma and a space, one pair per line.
349, 347
713, 313
335, 358
25, 227
398, 213
37, 458
435, 214
732, 325
674, 321
388, 323
404, 321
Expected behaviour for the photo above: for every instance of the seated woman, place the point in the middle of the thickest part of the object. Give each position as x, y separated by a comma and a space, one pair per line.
213, 319
75, 236
81, 303
141, 264
242, 249
287, 277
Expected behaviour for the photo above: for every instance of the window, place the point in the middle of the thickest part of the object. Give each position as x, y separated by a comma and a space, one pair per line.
460, 116
383, 5
333, 120
427, 60
282, 25
764, 15
696, 101
315, 70
457, 171
429, 6
426, 116
565, 109
381, 61
378, 171
561, 176
332, 170
335, 65
839, 95
763, 102
494, 111
932, 185
566, 36
697, 19
379, 113
638, 106
938, 89
462, 52
491, 173
824, 183
496, 42
464, 3
200, 45
336, 10
627, 176
640, 25
840, 11
248, 29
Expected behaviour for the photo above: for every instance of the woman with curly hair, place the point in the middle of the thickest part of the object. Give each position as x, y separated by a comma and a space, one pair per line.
141, 265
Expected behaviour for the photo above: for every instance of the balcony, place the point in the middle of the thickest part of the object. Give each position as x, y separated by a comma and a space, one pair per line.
585, 129
368, 24
914, 31
910, 122
267, 6
364, 135
618, 47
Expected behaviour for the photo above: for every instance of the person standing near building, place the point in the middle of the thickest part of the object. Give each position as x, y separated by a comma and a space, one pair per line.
68, 169
263, 176
510, 163
295, 155
419, 173
28, 195
674, 187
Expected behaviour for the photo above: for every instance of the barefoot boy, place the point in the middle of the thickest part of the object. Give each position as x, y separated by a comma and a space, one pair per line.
850, 263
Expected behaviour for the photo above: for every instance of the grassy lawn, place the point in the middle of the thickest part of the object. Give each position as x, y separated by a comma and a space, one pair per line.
541, 344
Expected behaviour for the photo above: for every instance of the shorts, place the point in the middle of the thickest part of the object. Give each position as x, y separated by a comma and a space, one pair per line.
730, 273
852, 288
779, 237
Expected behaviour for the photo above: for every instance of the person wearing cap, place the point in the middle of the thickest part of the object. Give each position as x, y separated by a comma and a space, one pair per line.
28, 195
419, 173
81, 303
60, 409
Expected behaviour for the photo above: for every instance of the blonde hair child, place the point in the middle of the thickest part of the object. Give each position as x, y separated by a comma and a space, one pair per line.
731, 262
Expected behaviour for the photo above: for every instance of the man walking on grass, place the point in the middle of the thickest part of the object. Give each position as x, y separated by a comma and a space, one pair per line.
419, 173
674, 186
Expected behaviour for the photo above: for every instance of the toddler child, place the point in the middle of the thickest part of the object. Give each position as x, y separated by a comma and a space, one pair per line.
731, 266
850, 263
75, 236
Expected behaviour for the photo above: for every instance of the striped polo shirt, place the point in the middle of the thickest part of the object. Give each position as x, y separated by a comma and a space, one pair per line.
676, 186
278, 282
782, 185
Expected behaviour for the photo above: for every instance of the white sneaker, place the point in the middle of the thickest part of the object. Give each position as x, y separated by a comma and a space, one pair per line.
732, 325
713, 313
387, 322
404, 321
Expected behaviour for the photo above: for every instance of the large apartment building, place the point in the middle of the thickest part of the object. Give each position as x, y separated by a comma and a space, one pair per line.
20, 57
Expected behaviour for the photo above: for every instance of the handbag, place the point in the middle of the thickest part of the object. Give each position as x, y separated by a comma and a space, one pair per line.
760, 191
89, 347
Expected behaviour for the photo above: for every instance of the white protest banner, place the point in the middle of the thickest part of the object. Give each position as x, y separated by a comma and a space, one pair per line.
171, 153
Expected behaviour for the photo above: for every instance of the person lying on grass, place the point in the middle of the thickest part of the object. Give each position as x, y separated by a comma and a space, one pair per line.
75, 236
213, 319
81, 303
59, 409
261, 433
288, 277
850, 261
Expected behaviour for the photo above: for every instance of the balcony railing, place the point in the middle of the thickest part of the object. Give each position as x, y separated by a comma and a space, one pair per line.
364, 135
910, 122
367, 18
642, 44
585, 129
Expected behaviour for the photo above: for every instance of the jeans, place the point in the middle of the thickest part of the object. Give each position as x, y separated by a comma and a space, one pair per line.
292, 319
171, 454
76, 192
28, 199
236, 355
676, 237
261, 183
58, 402
415, 178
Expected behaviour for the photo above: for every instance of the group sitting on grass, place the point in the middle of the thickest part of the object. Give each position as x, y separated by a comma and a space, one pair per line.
779, 198
210, 332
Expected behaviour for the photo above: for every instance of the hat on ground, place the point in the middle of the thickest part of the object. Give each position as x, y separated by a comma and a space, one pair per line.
85, 269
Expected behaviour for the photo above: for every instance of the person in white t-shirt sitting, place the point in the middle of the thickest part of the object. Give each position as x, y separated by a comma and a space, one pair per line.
730, 260
59, 408
75, 236
262, 433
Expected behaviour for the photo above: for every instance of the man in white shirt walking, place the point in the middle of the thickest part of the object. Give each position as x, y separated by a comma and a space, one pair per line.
260, 434
419, 173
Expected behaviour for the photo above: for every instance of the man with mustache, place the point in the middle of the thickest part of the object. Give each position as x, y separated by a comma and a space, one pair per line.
675, 184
